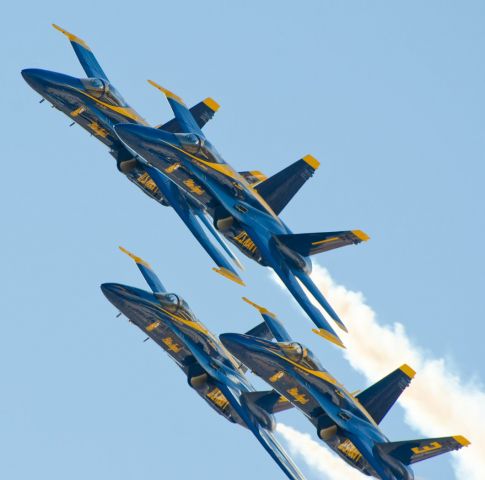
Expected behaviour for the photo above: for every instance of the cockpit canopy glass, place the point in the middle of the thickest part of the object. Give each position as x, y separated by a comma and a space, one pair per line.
176, 305
104, 91
301, 355
196, 145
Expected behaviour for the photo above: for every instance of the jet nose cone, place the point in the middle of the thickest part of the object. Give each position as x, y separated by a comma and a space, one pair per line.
112, 291
234, 342
37, 78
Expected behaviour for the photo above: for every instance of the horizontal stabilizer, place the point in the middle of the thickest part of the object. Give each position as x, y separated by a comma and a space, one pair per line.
84, 54
312, 243
380, 397
270, 401
146, 270
412, 451
276, 328
279, 189
202, 113
253, 177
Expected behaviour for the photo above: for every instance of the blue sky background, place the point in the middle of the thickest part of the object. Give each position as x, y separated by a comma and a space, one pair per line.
387, 95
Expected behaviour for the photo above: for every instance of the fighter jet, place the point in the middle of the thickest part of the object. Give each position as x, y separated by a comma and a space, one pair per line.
348, 423
244, 205
210, 369
96, 105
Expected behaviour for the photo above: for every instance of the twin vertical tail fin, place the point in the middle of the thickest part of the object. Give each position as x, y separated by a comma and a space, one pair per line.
280, 188
84, 54
148, 274
379, 398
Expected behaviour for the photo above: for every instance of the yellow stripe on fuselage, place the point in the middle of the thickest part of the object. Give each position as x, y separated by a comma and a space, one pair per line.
125, 111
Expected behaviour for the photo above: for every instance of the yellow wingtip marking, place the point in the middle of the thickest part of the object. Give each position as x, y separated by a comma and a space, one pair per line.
228, 274
167, 93
261, 309
212, 104
361, 235
406, 369
71, 37
464, 442
328, 336
312, 161
135, 257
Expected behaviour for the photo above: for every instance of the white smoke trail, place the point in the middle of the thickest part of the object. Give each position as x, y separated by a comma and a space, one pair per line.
438, 402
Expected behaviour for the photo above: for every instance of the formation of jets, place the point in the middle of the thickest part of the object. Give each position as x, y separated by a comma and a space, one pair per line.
177, 166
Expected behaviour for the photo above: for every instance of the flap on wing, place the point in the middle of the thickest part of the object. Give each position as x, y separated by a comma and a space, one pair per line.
312, 243
202, 113
412, 451
280, 188
253, 177
270, 401
380, 397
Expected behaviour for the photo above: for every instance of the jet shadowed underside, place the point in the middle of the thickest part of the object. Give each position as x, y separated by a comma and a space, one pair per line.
210, 369
347, 423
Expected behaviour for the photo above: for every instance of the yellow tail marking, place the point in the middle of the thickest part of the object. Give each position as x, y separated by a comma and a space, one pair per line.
262, 310
328, 336
71, 37
312, 161
168, 93
228, 274
135, 258
361, 235
426, 448
212, 104
152, 326
407, 370
464, 442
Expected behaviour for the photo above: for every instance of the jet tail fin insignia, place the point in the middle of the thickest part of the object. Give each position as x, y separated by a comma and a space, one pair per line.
312, 243
279, 189
146, 270
84, 54
413, 451
380, 397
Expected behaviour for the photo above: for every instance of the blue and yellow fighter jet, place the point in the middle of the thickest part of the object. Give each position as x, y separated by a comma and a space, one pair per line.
244, 205
347, 423
210, 369
95, 104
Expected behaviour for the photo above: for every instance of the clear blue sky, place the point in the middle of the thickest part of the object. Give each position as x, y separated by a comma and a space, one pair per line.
389, 96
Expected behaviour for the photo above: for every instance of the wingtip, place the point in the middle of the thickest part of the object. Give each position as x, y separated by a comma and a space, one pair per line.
464, 442
329, 336
407, 370
362, 236
312, 161
71, 36
134, 257
166, 92
230, 275
262, 310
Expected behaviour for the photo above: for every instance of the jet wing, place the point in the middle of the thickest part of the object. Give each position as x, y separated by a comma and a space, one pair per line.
265, 438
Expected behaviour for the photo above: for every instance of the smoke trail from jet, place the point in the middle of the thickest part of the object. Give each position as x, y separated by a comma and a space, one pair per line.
438, 402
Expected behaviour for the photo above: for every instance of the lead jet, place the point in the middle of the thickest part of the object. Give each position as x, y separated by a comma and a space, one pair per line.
96, 105
210, 369
244, 205
346, 422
